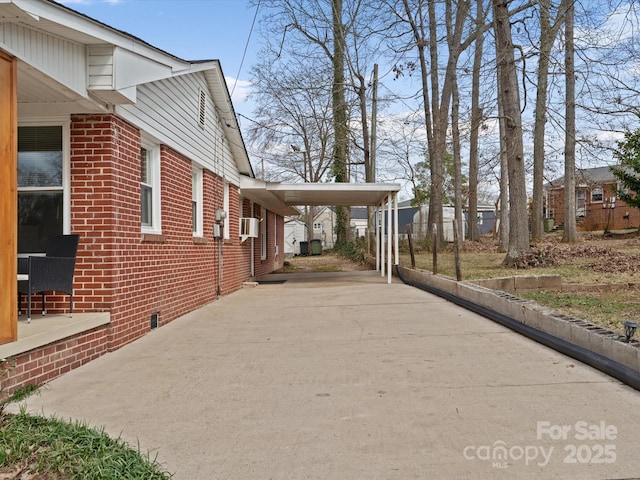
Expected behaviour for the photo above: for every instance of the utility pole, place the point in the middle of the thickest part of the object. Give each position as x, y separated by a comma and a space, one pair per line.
371, 171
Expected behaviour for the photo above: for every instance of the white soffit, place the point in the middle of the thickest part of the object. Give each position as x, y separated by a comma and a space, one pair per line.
338, 194
278, 196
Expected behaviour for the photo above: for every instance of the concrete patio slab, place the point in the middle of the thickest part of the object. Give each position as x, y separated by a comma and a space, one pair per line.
347, 377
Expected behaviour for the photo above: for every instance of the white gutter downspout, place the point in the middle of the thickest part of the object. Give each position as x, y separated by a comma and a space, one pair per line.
376, 226
252, 261
382, 240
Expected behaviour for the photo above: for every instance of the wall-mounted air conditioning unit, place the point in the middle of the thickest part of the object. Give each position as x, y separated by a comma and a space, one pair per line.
249, 228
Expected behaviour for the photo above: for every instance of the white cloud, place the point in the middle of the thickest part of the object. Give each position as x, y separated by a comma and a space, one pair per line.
609, 137
239, 89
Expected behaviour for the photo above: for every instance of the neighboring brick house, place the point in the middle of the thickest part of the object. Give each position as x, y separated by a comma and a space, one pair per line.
597, 204
138, 152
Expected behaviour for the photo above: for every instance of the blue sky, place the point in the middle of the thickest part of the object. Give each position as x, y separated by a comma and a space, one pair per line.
189, 29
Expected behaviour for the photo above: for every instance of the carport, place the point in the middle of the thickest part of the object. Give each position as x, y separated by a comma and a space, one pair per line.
282, 198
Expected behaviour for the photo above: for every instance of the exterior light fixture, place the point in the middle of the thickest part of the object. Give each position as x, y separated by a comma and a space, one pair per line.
629, 330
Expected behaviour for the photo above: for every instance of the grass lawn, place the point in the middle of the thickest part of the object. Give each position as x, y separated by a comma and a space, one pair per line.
33, 447
37, 448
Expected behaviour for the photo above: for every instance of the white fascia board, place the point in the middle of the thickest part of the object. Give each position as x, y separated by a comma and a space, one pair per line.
132, 69
224, 109
103, 33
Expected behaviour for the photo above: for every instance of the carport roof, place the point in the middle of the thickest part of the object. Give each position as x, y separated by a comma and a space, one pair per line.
282, 197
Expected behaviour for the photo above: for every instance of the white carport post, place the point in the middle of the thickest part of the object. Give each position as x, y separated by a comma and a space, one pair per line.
389, 272
376, 223
395, 229
382, 240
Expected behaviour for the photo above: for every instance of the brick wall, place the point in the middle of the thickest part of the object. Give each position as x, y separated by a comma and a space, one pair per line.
275, 233
169, 274
597, 218
46, 363
130, 274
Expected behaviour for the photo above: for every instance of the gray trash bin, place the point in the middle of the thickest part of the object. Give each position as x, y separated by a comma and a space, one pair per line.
316, 246
304, 248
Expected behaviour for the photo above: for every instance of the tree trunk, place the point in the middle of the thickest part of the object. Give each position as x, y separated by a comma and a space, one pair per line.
362, 98
570, 230
340, 120
457, 161
438, 141
546, 42
421, 42
503, 238
508, 91
548, 35
476, 120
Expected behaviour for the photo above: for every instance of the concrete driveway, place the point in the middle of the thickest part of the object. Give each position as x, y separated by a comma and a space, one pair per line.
347, 377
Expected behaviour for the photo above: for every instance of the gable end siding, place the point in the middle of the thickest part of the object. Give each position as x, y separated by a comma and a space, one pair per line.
170, 110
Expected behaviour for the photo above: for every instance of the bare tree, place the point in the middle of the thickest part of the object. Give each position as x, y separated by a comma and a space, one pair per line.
503, 202
293, 130
570, 230
476, 120
335, 33
548, 34
405, 149
509, 96
421, 16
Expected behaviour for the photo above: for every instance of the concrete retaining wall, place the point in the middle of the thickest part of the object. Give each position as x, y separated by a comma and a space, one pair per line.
600, 340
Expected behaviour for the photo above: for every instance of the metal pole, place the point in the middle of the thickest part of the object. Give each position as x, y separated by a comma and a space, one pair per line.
374, 116
396, 228
382, 240
389, 239
376, 223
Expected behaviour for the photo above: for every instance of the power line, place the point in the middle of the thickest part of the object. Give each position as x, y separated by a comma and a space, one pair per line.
246, 47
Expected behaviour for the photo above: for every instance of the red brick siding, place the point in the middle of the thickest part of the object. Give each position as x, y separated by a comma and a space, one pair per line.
596, 218
129, 274
275, 233
46, 363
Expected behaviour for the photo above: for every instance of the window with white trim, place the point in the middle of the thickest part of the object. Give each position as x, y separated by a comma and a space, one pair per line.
150, 187
43, 185
196, 201
581, 203
597, 195
225, 207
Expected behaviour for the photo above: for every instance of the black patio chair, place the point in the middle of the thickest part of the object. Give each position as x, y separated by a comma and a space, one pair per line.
53, 272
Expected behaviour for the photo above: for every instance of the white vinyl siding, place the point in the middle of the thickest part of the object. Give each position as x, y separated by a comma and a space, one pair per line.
169, 110
62, 60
